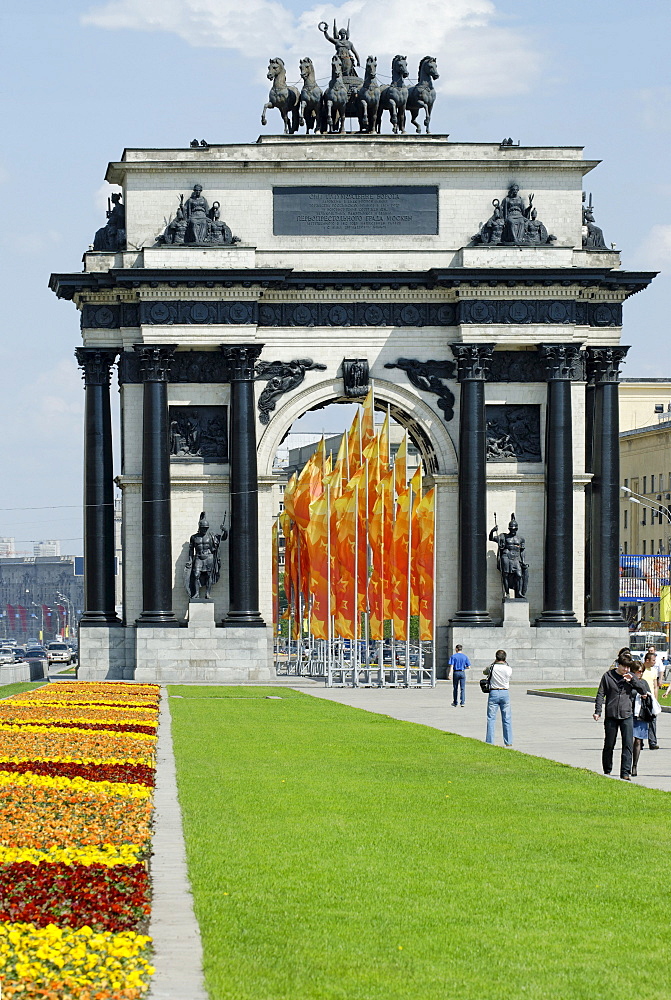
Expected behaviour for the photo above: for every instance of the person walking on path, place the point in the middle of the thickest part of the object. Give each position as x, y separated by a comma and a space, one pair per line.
642, 715
459, 663
653, 675
617, 689
499, 698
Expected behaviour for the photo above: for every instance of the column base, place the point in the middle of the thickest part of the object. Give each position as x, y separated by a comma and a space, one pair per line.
95, 618
472, 619
612, 619
557, 619
157, 619
243, 619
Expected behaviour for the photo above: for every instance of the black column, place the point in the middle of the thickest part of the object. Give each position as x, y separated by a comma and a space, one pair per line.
561, 364
589, 443
603, 368
156, 535
243, 539
472, 365
99, 579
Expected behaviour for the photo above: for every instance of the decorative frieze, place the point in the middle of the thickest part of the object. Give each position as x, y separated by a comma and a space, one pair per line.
525, 366
481, 312
205, 367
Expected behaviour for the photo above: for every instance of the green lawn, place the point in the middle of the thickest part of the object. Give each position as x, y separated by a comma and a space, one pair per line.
8, 689
340, 855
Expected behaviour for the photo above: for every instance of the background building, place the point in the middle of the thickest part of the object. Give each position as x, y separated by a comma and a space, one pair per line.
39, 594
50, 547
7, 547
645, 500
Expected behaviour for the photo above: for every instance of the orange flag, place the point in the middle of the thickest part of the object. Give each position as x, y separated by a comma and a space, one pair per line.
400, 568
309, 486
354, 447
288, 498
335, 477
401, 465
426, 515
317, 541
346, 617
416, 490
276, 576
367, 421
380, 537
373, 467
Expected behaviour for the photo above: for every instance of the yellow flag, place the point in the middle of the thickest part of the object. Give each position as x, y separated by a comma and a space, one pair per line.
384, 445
354, 446
367, 421
401, 466
288, 498
665, 604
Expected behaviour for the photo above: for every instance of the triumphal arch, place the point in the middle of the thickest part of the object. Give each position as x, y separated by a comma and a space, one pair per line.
236, 287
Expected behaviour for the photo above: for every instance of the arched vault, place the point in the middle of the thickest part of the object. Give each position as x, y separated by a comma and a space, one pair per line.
429, 431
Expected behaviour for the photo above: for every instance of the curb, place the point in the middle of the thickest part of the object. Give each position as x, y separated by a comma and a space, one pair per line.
575, 697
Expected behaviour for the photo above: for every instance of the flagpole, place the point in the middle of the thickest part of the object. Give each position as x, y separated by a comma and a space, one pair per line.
355, 658
329, 626
408, 590
433, 620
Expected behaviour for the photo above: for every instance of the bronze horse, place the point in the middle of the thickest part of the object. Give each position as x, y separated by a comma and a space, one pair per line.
282, 97
394, 97
334, 99
309, 106
369, 97
423, 94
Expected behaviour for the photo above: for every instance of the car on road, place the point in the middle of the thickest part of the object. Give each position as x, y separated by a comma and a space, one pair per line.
19, 652
59, 652
6, 654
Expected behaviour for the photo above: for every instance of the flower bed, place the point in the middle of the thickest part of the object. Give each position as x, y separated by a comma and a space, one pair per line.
76, 779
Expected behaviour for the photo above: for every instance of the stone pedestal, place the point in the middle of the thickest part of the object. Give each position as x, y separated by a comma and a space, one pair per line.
105, 653
515, 611
543, 655
203, 652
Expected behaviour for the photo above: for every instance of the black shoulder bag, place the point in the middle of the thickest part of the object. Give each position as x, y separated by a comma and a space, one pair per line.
486, 682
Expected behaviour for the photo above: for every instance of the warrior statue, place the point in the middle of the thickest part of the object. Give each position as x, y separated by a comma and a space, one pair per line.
203, 567
510, 560
344, 49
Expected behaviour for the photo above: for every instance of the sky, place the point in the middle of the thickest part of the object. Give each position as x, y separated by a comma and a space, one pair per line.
88, 78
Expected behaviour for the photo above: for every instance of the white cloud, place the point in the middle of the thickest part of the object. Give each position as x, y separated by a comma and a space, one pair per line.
476, 56
654, 253
58, 403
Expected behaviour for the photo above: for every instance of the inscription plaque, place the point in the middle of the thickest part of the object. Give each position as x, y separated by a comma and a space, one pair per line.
354, 211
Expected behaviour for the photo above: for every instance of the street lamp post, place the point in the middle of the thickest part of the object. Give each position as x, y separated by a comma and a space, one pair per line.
68, 608
41, 608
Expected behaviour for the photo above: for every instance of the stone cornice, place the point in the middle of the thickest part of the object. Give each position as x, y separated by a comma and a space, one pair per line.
624, 283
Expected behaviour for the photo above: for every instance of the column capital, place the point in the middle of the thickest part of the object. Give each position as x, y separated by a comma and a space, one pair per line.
241, 359
561, 361
603, 364
155, 361
472, 361
96, 363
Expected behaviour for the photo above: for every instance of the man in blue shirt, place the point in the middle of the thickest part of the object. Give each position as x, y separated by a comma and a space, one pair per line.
459, 664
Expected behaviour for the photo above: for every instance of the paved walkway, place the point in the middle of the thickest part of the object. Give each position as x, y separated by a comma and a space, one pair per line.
544, 727
178, 954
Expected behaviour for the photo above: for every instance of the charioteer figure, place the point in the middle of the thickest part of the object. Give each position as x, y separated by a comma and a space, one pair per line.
510, 561
344, 49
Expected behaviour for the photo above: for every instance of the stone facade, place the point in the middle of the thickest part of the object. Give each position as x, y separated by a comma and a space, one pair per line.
379, 298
